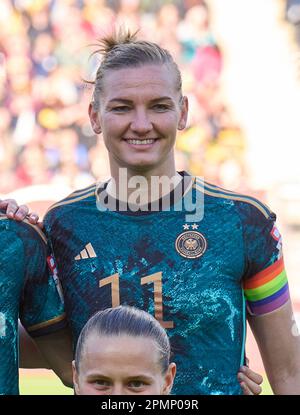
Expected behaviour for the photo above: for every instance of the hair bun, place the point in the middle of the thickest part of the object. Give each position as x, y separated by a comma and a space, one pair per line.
116, 38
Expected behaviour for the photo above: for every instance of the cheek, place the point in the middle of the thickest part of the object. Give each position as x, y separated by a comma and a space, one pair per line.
167, 125
113, 125
85, 388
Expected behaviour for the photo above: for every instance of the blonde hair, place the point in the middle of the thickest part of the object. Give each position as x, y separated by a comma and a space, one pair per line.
121, 50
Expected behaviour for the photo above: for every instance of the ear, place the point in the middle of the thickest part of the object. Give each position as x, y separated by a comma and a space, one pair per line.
169, 379
94, 119
184, 109
75, 378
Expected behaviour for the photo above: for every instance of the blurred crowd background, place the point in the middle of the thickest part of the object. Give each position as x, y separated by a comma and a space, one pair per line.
45, 136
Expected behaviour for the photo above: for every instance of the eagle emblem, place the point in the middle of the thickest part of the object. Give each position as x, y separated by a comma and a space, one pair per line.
191, 244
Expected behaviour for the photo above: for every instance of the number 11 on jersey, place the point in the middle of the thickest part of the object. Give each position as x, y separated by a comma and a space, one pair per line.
156, 279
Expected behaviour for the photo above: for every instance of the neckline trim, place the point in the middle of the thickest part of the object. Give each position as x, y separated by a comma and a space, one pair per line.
108, 202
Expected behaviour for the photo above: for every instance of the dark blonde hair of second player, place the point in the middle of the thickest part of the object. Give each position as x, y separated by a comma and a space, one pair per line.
124, 320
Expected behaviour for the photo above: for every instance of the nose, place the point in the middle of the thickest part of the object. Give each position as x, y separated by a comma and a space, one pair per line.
117, 389
141, 123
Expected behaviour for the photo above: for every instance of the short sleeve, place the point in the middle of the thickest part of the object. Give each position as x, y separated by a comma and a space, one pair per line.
265, 281
42, 308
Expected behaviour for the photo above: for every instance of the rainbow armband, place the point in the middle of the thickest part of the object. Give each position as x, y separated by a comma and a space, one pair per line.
268, 290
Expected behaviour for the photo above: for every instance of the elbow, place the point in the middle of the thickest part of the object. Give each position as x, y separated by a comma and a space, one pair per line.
286, 381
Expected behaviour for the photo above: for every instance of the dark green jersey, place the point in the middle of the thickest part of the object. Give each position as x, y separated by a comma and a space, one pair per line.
189, 274
27, 291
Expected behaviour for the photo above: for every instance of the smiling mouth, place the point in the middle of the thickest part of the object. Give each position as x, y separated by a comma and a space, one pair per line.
141, 142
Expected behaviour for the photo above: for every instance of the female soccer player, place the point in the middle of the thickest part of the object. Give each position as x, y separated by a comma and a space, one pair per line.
186, 251
28, 291
125, 351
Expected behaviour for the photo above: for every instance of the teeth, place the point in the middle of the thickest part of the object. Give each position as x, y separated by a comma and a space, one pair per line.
138, 142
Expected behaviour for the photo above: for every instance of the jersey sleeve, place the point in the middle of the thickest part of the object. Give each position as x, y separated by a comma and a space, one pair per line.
42, 308
265, 281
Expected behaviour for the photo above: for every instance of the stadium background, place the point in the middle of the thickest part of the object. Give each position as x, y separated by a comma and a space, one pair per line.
241, 70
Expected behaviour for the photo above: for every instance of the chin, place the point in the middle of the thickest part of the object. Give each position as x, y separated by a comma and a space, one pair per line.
142, 167
142, 164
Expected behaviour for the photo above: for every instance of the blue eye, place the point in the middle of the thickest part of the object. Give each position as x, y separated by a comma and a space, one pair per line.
121, 108
160, 107
136, 384
102, 382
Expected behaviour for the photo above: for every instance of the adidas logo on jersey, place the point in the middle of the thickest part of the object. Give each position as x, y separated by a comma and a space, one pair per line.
87, 252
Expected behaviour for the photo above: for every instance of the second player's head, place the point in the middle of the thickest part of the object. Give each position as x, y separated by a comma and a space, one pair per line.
138, 104
123, 351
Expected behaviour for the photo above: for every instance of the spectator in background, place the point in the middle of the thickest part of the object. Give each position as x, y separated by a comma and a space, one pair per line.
32, 168
7, 177
167, 22
129, 14
195, 30
293, 16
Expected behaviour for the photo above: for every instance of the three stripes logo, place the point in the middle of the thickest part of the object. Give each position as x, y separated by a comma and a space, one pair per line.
87, 252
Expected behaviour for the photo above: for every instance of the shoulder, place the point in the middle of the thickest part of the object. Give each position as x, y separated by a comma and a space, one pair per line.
24, 230
75, 197
245, 205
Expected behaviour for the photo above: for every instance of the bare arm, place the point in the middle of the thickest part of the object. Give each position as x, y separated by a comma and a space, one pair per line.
52, 351
279, 344
30, 355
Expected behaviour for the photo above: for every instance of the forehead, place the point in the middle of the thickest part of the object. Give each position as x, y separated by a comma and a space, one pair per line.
120, 354
147, 81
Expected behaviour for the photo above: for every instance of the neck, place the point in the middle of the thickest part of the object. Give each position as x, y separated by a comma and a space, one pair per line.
140, 186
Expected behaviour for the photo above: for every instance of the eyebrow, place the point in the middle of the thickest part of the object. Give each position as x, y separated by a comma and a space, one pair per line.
128, 101
145, 377
98, 375
129, 378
